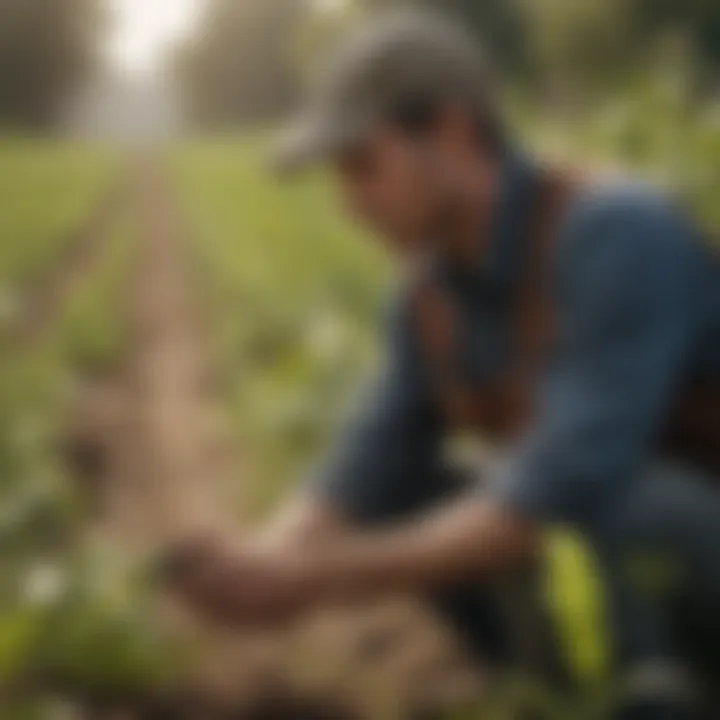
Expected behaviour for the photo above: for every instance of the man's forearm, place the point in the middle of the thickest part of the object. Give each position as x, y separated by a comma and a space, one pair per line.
466, 540
273, 581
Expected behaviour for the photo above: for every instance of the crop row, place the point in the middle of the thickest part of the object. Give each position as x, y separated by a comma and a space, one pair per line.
47, 190
67, 613
292, 295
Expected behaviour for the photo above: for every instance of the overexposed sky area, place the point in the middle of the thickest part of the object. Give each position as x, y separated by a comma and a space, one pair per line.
143, 29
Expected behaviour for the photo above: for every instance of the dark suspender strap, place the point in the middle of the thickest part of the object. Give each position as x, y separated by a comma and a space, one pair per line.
534, 320
437, 318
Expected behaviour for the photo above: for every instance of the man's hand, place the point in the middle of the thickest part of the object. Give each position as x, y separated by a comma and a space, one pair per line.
248, 586
464, 541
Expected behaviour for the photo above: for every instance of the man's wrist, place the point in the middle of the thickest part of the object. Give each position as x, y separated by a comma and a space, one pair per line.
350, 569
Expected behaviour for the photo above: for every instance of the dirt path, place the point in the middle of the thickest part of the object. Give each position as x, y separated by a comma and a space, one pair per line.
167, 465
180, 462
168, 469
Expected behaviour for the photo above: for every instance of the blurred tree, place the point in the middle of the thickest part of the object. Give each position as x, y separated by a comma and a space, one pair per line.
579, 48
698, 21
586, 48
245, 61
240, 66
574, 50
47, 47
500, 24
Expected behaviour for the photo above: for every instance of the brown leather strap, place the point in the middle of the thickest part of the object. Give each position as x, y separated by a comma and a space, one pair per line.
439, 327
439, 331
534, 318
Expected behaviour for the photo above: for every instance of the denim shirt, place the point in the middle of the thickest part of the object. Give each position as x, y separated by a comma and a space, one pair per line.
636, 297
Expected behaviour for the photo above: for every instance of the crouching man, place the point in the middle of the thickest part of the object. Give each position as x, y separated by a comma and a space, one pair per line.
576, 324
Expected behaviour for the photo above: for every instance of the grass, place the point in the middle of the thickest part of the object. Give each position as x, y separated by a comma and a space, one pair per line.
47, 188
91, 333
293, 295
65, 607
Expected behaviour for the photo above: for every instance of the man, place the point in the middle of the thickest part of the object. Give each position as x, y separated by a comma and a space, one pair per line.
585, 319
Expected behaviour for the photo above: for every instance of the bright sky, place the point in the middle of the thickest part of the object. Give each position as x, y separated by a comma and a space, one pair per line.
143, 29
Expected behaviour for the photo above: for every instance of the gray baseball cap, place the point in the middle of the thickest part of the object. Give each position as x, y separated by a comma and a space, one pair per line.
400, 56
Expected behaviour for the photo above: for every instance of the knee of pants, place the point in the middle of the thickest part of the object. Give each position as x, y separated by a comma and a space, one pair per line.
506, 624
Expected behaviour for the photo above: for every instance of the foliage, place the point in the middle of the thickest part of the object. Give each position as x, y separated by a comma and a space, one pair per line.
90, 336
47, 190
239, 66
71, 611
591, 46
242, 64
47, 47
651, 129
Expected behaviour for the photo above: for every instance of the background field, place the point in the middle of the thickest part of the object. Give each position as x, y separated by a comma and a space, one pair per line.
182, 336
285, 299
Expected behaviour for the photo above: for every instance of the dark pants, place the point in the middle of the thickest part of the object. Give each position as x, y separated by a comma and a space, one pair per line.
660, 545
658, 553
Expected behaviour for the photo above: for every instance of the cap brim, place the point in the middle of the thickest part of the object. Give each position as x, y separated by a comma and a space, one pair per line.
312, 141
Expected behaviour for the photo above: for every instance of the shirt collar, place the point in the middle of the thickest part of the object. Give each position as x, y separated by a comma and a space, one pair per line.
497, 272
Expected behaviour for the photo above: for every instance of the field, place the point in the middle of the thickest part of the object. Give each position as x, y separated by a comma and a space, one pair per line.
65, 257
180, 339
48, 190
176, 352
294, 297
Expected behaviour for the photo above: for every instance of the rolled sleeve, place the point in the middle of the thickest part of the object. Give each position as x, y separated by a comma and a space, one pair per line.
624, 301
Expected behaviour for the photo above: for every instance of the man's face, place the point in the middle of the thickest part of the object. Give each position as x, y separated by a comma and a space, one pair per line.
399, 185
